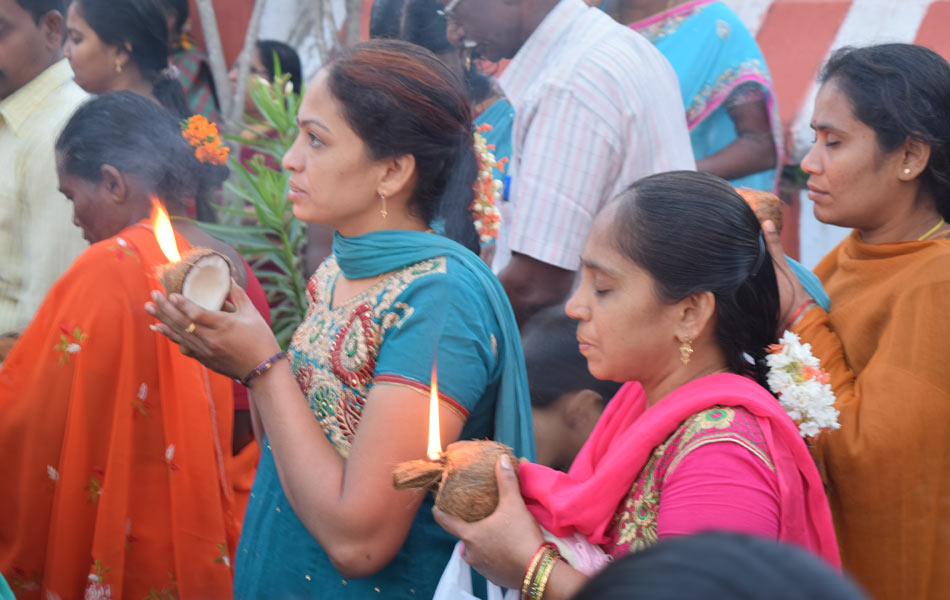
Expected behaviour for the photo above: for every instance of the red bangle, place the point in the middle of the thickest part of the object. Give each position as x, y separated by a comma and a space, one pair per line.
263, 367
798, 313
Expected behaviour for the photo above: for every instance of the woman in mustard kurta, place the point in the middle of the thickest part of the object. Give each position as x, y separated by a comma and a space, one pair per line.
881, 165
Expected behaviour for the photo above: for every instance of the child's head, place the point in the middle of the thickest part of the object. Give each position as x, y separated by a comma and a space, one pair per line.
566, 400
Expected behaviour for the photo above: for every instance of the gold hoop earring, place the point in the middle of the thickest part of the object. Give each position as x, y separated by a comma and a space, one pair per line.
118, 66
686, 351
382, 198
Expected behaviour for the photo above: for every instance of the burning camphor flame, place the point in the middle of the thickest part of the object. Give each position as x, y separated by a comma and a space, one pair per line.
434, 450
164, 232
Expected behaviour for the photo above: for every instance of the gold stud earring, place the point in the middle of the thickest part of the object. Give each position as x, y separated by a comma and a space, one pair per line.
118, 66
686, 350
382, 198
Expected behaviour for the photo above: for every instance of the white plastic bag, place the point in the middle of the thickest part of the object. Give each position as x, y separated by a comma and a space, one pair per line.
456, 582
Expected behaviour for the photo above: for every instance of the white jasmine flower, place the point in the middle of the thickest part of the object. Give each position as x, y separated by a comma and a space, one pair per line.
795, 376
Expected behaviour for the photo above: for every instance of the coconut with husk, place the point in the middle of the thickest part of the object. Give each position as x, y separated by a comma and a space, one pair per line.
202, 275
463, 477
767, 206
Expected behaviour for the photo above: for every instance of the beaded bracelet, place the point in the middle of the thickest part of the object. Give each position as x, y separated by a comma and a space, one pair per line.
263, 367
532, 567
801, 309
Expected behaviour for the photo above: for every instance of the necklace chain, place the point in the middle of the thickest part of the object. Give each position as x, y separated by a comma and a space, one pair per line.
933, 230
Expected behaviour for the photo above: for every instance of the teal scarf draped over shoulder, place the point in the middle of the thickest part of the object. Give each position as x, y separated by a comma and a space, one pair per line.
380, 252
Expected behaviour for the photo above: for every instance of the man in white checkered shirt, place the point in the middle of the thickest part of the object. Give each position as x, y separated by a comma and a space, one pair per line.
596, 108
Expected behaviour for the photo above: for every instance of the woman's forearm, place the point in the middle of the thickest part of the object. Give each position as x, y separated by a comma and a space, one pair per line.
299, 446
748, 154
349, 505
565, 581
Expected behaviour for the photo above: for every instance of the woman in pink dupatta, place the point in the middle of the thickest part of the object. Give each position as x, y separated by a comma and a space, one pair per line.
678, 297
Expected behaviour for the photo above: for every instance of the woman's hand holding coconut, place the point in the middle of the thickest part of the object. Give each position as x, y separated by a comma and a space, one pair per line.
501, 546
231, 343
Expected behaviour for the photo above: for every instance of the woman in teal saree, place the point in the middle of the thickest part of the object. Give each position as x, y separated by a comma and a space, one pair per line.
384, 152
730, 102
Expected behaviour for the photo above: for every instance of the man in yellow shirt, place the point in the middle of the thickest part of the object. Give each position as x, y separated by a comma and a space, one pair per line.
38, 240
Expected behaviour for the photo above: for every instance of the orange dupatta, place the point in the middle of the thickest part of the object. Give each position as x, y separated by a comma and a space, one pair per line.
114, 447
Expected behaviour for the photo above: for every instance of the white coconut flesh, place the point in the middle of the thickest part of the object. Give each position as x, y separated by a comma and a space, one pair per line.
208, 281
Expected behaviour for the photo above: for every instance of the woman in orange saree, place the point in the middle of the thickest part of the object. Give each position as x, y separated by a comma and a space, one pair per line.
114, 447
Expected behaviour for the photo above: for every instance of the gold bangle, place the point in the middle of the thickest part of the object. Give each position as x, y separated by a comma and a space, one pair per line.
532, 566
540, 580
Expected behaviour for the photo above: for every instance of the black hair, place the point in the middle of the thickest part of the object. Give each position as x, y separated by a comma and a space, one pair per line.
38, 8
400, 99
419, 22
275, 53
181, 10
900, 91
692, 233
136, 136
553, 361
139, 27
724, 566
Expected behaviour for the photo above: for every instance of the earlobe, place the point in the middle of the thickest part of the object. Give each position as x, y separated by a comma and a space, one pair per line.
52, 26
399, 174
916, 156
696, 311
114, 184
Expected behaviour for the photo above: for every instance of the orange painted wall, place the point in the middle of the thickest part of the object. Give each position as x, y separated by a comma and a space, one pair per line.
795, 37
934, 31
233, 16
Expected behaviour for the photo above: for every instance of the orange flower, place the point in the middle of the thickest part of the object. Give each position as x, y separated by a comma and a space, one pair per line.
485, 213
202, 135
817, 374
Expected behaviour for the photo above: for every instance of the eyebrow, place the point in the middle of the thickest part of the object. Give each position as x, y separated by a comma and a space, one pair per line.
594, 266
825, 127
314, 122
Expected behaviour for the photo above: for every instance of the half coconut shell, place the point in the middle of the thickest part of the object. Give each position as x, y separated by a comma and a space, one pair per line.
203, 276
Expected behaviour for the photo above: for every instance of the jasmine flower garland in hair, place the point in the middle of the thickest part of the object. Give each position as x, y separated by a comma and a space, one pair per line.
803, 388
487, 189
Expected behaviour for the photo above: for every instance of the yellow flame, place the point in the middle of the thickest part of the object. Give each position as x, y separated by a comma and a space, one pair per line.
434, 450
164, 232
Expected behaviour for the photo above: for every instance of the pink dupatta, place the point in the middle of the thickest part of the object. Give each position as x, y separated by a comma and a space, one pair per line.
586, 498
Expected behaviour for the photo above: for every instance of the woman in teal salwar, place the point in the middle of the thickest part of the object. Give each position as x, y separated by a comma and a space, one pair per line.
384, 153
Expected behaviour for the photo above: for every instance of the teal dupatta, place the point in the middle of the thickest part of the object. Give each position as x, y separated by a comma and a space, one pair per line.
380, 252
